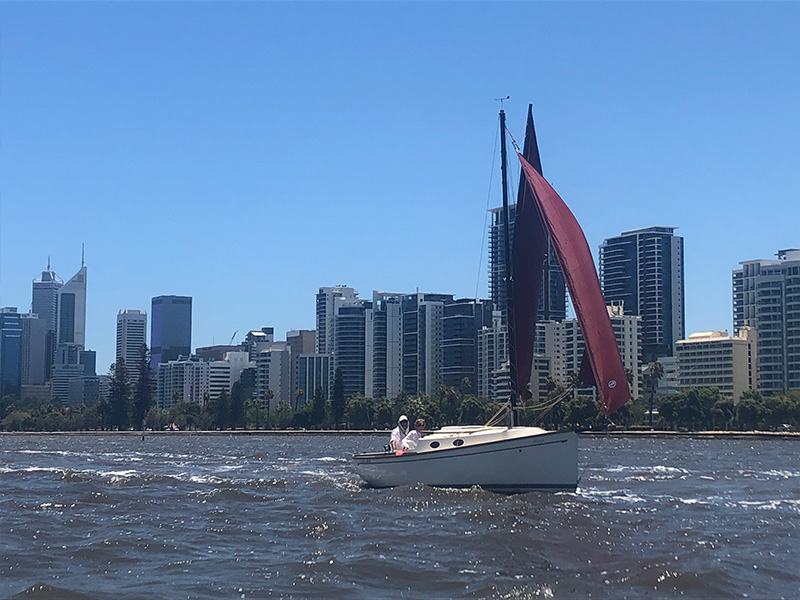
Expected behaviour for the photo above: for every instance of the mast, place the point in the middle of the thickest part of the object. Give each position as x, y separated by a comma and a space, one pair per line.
512, 362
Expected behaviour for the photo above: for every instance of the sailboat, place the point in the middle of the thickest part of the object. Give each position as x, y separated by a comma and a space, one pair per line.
514, 458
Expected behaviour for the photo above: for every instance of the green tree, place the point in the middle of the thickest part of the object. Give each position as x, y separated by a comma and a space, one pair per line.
583, 411
143, 399
337, 398
472, 411
384, 415
317, 416
119, 395
779, 409
449, 402
722, 413
219, 410
359, 412
691, 408
284, 415
186, 415
237, 406
652, 375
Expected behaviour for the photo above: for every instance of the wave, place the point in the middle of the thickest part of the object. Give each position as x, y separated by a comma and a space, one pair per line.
43, 591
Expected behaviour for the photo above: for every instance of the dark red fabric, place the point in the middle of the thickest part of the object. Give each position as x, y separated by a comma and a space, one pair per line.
530, 249
579, 272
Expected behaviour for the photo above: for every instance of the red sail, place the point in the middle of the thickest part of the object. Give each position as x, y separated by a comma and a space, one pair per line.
530, 245
607, 372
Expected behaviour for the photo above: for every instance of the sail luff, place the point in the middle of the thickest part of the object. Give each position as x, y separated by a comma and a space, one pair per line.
530, 250
579, 272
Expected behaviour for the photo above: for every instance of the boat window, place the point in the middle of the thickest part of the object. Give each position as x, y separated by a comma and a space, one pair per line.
458, 442
434, 444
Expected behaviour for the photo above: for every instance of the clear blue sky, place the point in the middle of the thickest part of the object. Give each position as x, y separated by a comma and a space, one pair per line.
246, 154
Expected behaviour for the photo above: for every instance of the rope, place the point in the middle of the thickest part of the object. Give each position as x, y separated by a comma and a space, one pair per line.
486, 214
552, 405
499, 415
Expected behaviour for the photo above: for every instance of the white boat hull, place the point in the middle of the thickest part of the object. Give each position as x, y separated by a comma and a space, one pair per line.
500, 459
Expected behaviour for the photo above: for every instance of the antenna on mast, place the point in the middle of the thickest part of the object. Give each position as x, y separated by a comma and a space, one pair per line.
500, 100
82, 253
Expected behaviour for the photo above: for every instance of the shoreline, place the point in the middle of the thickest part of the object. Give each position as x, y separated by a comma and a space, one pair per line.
653, 433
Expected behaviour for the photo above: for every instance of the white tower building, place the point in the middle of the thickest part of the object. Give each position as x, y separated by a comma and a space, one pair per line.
131, 337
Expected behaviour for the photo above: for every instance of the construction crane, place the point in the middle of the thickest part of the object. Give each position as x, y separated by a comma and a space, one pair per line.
232, 337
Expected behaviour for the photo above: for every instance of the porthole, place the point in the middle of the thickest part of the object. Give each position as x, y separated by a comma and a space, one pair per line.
434, 444
458, 442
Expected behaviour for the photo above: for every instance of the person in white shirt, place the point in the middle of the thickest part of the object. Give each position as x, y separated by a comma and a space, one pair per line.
398, 433
411, 440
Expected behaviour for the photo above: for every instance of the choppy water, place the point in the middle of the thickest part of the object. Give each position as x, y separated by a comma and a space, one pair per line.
186, 516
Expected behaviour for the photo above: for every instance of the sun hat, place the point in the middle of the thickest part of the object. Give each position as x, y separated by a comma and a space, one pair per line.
402, 418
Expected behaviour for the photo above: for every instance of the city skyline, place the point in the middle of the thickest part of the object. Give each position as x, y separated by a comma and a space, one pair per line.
259, 156
240, 335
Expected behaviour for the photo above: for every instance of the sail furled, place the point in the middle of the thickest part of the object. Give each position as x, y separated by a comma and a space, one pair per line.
528, 257
602, 364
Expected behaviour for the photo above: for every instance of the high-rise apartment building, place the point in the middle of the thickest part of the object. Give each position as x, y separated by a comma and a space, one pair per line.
494, 381
714, 359
257, 340
219, 378
462, 322
553, 294
10, 352
423, 332
627, 332
301, 342
384, 352
326, 314
273, 375
350, 343
766, 297
186, 379
643, 269
313, 373
131, 339
170, 329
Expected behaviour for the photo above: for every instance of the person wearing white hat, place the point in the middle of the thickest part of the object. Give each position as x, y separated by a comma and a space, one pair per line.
398, 433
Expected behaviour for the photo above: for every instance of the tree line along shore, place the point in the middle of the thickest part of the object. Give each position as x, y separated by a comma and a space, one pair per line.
132, 407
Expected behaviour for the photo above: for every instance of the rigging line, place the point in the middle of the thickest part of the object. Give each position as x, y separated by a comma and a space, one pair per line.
499, 415
513, 141
558, 400
486, 214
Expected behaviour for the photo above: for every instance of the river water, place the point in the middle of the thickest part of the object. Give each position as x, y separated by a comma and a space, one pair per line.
272, 516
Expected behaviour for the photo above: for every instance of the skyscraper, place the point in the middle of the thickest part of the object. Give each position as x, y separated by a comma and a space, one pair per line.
423, 331
553, 293
384, 346
462, 322
131, 337
326, 314
170, 329
45, 297
10, 352
44, 304
349, 351
37, 353
643, 269
71, 313
766, 297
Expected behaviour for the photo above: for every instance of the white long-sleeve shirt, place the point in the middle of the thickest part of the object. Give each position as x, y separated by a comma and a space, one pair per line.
411, 440
396, 441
